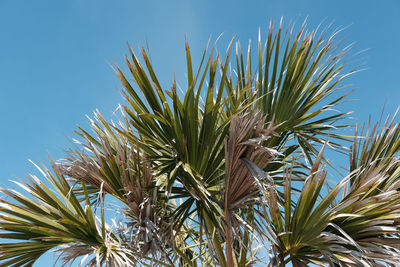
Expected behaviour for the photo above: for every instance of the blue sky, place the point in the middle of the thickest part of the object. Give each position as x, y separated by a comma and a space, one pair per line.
55, 58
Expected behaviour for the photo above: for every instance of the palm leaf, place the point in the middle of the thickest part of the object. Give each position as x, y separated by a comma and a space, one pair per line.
48, 220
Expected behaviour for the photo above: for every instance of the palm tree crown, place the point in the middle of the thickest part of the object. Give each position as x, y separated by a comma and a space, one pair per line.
230, 172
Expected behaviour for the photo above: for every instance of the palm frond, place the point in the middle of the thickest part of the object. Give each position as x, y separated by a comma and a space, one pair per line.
246, 135
359, 228
111, 164
50, 219
295, 83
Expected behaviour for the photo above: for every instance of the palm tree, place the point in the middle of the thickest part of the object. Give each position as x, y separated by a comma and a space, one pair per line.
229, 172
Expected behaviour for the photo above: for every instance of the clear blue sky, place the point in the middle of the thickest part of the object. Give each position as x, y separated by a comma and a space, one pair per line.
55, 58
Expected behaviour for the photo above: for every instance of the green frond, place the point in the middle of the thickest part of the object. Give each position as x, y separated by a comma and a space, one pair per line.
48, 217
296, 84
360, 227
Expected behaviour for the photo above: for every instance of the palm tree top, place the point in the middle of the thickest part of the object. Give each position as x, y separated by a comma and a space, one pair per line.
229, 170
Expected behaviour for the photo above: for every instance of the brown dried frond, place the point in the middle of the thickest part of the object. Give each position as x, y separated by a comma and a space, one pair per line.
124, 171
119, 169
84, 168
246, 136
